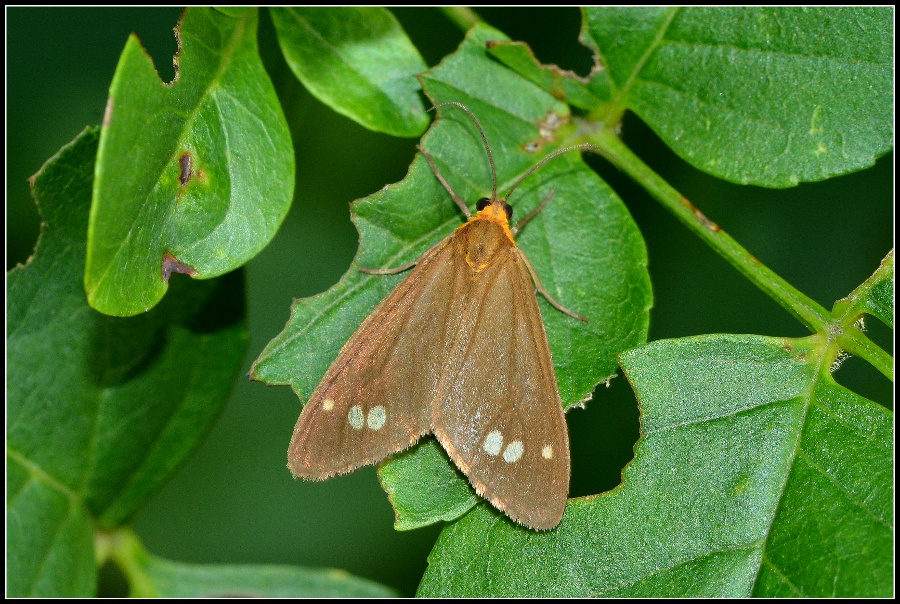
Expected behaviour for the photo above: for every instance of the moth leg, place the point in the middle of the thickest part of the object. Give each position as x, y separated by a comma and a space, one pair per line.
388, 271
540, 287
532, 214
437, 173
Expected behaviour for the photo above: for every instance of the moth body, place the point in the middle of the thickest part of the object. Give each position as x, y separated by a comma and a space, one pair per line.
458, 349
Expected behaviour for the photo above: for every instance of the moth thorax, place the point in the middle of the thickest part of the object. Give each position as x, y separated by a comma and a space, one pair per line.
484, 240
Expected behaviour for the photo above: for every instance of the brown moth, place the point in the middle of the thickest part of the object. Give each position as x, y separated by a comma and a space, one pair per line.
459, 350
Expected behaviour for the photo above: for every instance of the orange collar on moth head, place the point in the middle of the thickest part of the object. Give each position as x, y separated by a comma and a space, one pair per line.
496, 213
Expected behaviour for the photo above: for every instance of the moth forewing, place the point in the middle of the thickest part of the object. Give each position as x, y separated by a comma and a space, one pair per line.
372, 401
497, 410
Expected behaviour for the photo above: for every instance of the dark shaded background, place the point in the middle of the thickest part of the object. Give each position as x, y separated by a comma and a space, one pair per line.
234, 501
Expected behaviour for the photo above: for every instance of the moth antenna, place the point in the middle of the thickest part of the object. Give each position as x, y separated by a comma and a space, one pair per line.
437, 173
487, 147
545, 160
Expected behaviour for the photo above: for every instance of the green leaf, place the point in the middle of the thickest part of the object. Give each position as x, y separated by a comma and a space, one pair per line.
766, 96
153, 577
152, 213
359, 62
584, 246
100, 410
875, 296
584, 93
49, 545
175, 580
755, 474
442, 493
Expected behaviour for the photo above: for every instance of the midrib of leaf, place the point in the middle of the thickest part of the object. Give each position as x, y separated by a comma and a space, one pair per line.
823, 364
213, 231
38, 475
376, 85
125, 483
226, 58
753, 545
617, 100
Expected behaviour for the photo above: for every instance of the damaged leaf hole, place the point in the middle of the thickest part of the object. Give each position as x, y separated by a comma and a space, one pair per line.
171, 264
547, 130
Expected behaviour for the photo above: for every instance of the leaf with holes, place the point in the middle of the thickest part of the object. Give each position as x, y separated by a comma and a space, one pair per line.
192, 177
756, 474
587, 93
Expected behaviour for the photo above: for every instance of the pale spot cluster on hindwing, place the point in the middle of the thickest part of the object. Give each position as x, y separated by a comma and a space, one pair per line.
493, 445
374, 419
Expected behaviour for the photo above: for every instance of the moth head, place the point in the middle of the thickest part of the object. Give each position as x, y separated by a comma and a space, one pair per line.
499, 205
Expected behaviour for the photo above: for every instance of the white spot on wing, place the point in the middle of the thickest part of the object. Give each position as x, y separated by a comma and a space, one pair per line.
355, 417
376, 418
513, 451
493, 442
328, 404
547, 452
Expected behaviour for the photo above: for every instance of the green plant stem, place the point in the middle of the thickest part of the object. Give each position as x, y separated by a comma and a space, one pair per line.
124, 548
810, 313
848, 311
462, 17
807, 310
856, 343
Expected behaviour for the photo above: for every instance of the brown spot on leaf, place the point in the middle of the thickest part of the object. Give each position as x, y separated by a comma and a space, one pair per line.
550, 124
170, 264
185, 163
547, 129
